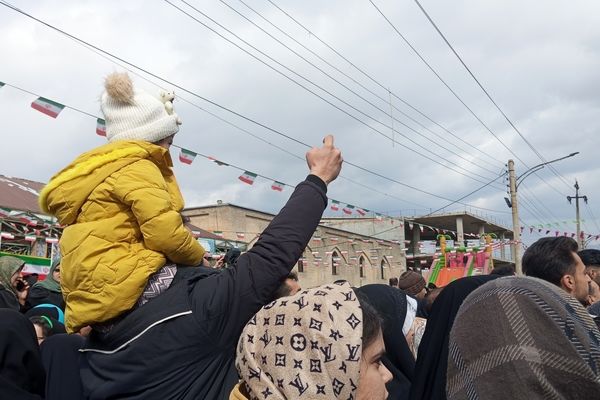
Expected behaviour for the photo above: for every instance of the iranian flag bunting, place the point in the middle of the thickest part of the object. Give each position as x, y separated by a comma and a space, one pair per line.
6, 235
348, 209
219, 163
378, 217
51, 240
100, 127
240, 235
362, 211
277, 186
248, 177
47, 106
335, 205
4, 212
1, 84
30, 238
186, 156
218, 233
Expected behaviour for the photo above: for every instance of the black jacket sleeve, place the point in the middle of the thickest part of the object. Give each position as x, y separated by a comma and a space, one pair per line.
222, 305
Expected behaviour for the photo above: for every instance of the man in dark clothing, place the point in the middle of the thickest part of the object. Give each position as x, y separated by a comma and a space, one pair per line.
181, 345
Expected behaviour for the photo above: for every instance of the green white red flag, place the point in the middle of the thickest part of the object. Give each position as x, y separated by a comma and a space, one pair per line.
240, 235
47, 106
248, 177
186, 156
362, 211
100, 127
4, 212
51, 240
277, 186
6, 235
335, 205
218, 233
30, 238
348, 209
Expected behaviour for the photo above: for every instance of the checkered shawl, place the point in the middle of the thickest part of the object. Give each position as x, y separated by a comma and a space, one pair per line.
306, 346
523, 338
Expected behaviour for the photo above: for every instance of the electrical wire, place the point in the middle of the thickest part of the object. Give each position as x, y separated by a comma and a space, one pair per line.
489, 96
194, 94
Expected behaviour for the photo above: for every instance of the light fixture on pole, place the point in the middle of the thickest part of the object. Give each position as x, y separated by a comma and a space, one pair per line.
514, 183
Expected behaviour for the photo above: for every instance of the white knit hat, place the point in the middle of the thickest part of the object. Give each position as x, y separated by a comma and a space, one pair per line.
134, 114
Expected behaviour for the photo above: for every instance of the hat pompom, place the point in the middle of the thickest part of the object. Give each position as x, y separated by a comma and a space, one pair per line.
118, 85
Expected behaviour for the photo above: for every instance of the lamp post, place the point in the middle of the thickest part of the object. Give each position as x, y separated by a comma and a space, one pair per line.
514, 183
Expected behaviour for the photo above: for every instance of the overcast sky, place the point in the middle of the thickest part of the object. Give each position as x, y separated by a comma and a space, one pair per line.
538, 60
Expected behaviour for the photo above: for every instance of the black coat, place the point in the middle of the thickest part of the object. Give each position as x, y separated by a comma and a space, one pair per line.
39, 295
181, 345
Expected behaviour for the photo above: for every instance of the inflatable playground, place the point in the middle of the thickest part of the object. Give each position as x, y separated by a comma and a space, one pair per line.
451, 263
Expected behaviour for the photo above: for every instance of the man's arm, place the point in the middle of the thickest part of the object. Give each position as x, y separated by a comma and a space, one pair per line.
238, 293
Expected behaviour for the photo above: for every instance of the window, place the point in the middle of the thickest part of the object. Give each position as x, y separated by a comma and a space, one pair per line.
381, 268
300, 265
335, 262
361, 266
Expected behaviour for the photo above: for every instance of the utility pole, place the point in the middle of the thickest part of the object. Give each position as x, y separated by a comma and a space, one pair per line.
516, 247
577, 197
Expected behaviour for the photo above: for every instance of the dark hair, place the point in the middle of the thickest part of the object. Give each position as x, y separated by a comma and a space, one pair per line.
372, 323
550, 258
429, 298
44, 323
504, 270
394, 282
284, 290
590, 257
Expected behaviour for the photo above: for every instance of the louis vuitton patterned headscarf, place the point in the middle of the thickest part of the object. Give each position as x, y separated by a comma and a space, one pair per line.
306, 346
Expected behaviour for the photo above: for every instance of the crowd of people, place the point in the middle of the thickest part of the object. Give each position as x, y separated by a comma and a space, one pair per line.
131, 311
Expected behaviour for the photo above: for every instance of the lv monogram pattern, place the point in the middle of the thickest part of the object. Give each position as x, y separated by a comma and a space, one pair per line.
307, 346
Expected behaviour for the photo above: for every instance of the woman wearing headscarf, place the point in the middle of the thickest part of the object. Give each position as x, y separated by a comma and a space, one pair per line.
21, 372
538, 343
13, 290
48, 290
322, 343
430, 370
398, 313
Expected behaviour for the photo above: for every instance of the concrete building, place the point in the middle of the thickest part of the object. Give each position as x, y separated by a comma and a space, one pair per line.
341, 248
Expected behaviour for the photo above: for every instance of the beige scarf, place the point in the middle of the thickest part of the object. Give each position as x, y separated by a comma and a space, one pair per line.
307, 346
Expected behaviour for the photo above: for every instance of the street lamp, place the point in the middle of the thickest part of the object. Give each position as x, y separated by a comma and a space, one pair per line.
514, 183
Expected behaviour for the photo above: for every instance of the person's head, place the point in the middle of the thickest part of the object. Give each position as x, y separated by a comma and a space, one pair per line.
504, 270
555, 260
42, 326
56, 273
394, 282
523, 336
594, 293
231, 257
10, 272
289, 287
132, 114
322, 343
413, 283
430, 298
591, 259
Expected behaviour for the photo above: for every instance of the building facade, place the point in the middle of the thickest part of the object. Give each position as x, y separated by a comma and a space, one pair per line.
341, 248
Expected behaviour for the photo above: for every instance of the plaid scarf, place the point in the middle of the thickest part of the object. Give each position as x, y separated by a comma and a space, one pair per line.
523, 338
306, 346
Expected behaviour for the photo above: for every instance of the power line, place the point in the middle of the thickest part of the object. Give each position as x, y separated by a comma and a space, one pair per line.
454, 92
321, 88
194, 94
468, 194
352, 79
489, 96
380, 84
444, 82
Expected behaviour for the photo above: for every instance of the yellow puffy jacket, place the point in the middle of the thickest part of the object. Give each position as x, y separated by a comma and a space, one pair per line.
120, 203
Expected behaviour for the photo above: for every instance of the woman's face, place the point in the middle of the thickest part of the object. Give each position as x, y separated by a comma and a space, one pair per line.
15, 277
373, 374
39, 333
56, 274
